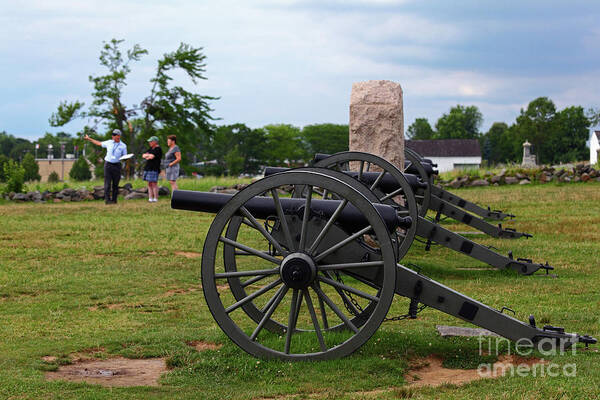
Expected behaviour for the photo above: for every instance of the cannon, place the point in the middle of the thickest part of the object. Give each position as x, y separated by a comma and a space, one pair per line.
451, 198
415, 158
313, 279
389, 185
444, 201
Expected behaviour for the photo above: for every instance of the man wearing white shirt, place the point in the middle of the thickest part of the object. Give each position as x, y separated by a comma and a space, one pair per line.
115, 149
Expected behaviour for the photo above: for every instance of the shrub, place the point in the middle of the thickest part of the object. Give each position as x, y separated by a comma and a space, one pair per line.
53, 177
15, 177
31, 167
80, 170
99, 170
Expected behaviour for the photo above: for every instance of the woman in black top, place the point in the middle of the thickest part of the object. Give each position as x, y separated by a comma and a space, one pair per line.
152, 168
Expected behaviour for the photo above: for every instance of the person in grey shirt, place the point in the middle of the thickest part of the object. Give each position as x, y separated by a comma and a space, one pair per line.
172, 160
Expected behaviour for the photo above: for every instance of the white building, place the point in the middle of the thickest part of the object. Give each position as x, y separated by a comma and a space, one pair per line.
449, 154
594, 147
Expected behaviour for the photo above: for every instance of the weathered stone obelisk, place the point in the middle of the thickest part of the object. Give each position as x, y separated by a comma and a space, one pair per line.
377, 120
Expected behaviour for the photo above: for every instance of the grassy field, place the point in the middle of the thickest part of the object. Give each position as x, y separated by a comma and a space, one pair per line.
81, 276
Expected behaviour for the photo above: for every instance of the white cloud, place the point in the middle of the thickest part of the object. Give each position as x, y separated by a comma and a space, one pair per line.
271, 61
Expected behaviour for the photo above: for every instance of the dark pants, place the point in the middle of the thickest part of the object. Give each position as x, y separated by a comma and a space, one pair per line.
112, 176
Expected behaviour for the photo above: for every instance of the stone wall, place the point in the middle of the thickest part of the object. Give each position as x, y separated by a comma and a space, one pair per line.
578, 173
97, 193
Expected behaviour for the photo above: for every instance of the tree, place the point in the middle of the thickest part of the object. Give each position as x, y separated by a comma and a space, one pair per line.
234, 161
9, 144
420, 130
53, 177
237, 148
13, 147
535, 124
593, 115
80, 171
326, 138
15, 176
460, 123
497, 145
31, 167
56, 140
3, 161
172, 109
168, 109
284, 145
569, 134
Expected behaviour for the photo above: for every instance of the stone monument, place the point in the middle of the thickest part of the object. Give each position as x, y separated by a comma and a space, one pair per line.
528, 158
377, 120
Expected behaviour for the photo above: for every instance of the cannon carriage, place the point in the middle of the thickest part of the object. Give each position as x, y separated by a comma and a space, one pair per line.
391, 186
427, 172
430, 197
309, 278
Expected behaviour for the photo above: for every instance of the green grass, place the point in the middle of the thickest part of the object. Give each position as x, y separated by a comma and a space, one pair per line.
63, 266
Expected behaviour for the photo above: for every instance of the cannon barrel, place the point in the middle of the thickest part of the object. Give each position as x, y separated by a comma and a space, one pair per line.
263, 207
410, 169
429, 161
388, 183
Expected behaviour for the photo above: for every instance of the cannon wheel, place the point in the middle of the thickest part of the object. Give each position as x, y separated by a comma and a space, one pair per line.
308, 280
412, 152
341, 161
230, 256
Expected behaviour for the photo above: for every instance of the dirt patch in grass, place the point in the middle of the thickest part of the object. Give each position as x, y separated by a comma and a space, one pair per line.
112, 372
203, 346
430, 372
188, 254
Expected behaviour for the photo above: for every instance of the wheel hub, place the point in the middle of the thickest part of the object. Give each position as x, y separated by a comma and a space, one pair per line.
298, 270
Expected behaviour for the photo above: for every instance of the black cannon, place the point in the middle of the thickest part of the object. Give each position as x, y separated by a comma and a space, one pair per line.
429, 196
312, 279
389, 185
436, 198
427, 175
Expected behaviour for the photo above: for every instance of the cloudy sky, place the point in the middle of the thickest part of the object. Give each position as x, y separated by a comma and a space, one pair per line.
285, 61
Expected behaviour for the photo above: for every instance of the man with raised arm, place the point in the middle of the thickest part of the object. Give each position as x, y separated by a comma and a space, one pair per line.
115, 149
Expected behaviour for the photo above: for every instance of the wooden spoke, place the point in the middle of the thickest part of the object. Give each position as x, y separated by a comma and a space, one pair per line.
254, 223
334, 308
273, 303
348, 288
342, 243
252, 296
250, 250
282, 220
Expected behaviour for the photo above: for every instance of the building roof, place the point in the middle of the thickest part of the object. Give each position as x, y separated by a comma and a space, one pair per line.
445, 147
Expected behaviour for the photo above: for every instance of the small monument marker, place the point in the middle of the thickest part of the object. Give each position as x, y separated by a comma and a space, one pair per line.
529, 159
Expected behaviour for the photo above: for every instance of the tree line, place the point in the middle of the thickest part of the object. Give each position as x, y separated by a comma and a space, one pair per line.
210, 148
223, 149
556, 136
